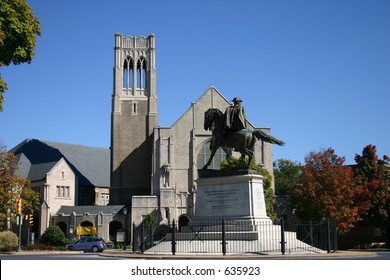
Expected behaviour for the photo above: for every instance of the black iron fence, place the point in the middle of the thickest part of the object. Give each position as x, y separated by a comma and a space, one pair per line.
236, 237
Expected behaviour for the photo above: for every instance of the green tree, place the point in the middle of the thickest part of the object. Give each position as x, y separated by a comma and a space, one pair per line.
327, 190
373, 186
18, 31
287, 175
233, 164
149, 223
13, 187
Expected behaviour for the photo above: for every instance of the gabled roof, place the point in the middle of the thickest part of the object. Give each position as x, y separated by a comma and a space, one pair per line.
91, 165
39, 171
89, 209
212, 91
212, 95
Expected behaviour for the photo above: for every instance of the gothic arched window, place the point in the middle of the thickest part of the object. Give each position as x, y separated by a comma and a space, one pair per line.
141, 73
204, 155
128, 73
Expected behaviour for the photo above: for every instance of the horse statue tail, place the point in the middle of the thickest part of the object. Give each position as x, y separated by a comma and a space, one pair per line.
267, 138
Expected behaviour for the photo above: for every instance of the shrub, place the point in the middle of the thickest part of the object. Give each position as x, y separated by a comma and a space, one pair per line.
37, 247
54, 236
8, 239
161, 231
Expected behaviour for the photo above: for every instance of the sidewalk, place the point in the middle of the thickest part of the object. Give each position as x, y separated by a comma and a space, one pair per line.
119, 253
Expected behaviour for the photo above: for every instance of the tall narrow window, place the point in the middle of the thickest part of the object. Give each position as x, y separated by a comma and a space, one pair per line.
128, 73
131, 75
144, 76
141, 73
138, 75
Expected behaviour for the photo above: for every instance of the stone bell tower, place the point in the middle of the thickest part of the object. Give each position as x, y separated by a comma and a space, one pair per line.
133, 118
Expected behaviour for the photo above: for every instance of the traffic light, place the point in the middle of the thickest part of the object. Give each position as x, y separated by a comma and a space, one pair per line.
19, 206
30, 219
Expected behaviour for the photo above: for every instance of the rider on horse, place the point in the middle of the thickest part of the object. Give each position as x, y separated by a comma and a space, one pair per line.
235, 118
229, 131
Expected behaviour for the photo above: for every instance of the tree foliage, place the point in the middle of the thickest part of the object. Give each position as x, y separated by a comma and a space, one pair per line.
373, 186
327, 190
150, 220
287, 175
18, 31
13, 187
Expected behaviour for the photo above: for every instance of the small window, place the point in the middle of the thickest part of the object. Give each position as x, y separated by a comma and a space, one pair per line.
134, 108
63, 191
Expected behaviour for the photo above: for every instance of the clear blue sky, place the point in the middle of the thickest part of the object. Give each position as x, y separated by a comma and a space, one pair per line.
316, 72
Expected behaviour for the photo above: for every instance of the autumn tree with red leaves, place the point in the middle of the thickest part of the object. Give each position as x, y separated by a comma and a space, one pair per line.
373, 186
13, 187
327, 190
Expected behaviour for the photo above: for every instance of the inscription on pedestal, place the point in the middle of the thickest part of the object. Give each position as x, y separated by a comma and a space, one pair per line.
222, 199
234, 197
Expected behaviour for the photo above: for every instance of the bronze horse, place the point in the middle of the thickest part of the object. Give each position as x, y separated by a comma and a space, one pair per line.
241, 141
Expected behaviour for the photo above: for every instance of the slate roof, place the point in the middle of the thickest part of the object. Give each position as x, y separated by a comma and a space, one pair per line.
90, 164
91, 210
38, 171
24, 165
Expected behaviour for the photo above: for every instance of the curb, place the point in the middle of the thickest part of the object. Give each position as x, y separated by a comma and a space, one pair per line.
32, 252
131, 255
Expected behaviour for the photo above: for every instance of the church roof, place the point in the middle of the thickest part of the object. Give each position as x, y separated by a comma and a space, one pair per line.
90, 164
90, 209
39, 171
211, 97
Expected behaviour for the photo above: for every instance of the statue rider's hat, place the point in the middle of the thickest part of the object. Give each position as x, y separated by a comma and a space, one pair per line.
237, 99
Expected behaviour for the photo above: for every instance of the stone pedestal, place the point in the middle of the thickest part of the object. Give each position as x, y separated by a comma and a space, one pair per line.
234, 197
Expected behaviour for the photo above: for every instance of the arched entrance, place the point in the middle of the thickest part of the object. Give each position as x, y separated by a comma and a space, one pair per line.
183, 221
85, 229
63, 227
114, 226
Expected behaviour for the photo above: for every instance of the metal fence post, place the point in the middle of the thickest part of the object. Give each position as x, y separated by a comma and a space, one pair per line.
223, 238
328, 241
142, 238
173, 238
134, 238
282, 238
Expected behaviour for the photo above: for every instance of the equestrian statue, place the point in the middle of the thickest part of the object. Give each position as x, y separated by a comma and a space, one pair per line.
229, 131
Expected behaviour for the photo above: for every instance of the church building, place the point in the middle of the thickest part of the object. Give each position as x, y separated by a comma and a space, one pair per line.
148, 169
154, 169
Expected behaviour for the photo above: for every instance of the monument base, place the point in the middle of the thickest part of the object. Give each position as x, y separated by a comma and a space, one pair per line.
237, 197
230, 214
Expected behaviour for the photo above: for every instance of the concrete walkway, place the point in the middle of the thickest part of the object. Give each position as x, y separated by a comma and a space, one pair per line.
129, 254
